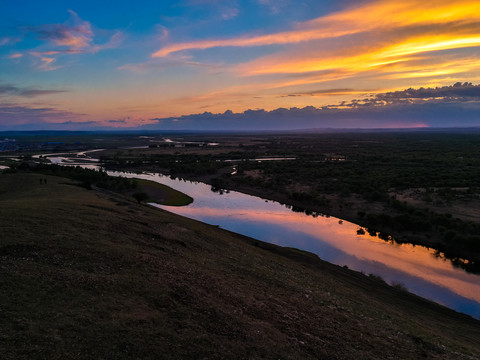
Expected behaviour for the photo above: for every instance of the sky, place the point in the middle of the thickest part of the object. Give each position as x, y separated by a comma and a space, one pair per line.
239, 64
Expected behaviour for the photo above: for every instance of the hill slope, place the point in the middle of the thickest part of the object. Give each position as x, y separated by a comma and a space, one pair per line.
92, 274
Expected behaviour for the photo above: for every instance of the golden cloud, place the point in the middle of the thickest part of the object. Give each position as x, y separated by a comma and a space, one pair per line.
381, 44
375, 15
383, 38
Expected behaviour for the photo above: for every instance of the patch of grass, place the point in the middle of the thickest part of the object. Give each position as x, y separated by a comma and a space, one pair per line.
162, 194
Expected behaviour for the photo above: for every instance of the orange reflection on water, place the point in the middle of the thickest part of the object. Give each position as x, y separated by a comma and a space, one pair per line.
416, 261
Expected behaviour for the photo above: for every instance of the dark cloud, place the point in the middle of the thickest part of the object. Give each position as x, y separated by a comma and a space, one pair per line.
166, 63
290, 95
457, 105
77, 123
450, 106
458, 92
13, 111
5, 40
58, 32
75, 34
330, 92
17, 116
12, 90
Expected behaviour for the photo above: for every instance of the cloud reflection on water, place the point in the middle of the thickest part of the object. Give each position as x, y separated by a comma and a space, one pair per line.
414, 266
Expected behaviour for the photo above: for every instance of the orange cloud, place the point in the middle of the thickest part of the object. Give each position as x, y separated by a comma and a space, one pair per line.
77, 35
375, 15
382, 40
47, 63
441, 69
364, 58
73, 37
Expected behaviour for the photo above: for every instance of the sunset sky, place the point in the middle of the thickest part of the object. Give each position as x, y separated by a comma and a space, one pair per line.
234, 64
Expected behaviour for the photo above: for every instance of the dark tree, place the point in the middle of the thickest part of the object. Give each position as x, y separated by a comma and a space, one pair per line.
140, 196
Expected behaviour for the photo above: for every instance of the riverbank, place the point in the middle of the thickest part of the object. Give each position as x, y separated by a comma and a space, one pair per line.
116, 279
367, 214
150, 191
336, 205
417, 188
348, 213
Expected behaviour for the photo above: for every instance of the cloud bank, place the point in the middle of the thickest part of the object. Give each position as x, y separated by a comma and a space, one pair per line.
12, 90
23, 116
457, 105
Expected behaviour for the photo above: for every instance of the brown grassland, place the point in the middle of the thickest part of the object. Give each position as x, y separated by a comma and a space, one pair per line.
90, 274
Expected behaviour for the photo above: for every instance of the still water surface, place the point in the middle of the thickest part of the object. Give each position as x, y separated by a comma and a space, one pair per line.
333, 240
415, 267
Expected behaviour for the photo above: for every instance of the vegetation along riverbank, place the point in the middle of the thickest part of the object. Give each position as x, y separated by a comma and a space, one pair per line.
416, 187
91, 273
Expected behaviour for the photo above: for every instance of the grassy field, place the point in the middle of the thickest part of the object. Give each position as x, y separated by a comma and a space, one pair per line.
89, 274
160, 194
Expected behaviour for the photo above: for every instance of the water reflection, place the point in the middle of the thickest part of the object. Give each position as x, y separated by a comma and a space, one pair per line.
73, 159
336, 241
419, 269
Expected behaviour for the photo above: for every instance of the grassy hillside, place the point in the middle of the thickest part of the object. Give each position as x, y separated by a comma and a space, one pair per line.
88, 274
159, 193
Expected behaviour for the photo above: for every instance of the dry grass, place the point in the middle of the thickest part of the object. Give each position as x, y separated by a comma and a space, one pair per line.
160, 193
92, 275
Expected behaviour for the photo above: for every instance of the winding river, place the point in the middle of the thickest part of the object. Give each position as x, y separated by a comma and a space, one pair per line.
413, 267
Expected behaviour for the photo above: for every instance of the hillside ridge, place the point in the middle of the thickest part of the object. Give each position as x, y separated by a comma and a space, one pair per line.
93, 274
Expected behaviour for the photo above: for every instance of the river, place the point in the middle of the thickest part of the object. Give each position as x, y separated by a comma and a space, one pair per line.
416, 268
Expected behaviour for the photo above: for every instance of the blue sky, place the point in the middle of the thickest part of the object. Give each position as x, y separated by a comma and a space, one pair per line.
155, 64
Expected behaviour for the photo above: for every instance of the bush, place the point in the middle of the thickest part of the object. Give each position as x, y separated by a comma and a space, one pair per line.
140, 197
